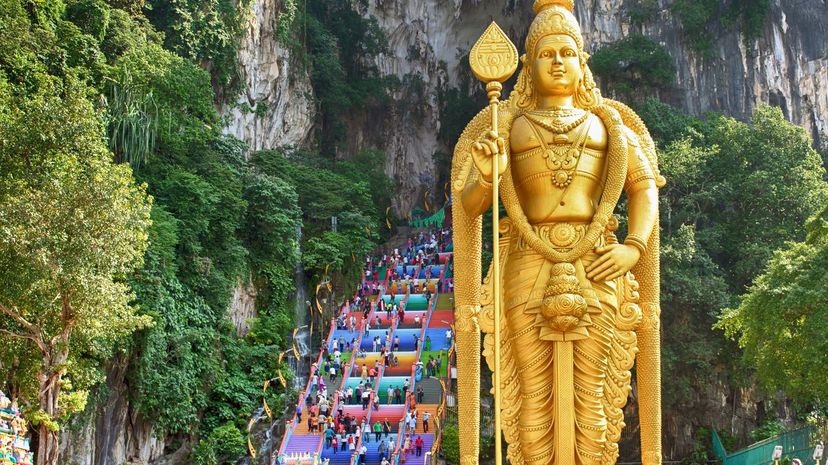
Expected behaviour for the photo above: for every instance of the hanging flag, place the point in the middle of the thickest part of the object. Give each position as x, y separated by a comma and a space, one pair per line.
316, 297
264, 400
249, 440
279, 373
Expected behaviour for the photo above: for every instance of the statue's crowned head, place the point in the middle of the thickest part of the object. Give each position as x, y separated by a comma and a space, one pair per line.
554, 18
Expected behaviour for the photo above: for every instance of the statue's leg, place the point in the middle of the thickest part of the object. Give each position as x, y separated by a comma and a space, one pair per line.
590, 373
595, 380
527, 272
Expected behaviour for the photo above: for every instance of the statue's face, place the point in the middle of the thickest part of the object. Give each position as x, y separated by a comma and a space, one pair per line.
556, 65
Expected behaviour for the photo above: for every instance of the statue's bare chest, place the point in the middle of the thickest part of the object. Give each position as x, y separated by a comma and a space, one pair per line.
558, 176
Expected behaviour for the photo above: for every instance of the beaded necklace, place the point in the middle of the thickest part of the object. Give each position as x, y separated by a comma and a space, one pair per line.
555, 121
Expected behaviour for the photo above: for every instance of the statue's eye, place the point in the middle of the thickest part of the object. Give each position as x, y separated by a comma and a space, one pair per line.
546, 54
569, 53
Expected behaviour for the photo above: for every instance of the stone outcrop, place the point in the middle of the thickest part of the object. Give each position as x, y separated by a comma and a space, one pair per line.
430, 39
243, 307
275, 108
428, 45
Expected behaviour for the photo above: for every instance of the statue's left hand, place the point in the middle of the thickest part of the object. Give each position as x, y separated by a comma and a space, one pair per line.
615, 261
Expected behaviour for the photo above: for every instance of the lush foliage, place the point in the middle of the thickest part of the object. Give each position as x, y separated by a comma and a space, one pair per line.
736, 192
780, 322
641, 11
218, 222
355, 192
341, 45
699, 17
206, 32
451, 443
224, 444
72, 226
635, 65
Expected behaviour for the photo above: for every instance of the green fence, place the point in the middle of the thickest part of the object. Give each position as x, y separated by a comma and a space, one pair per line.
796, 444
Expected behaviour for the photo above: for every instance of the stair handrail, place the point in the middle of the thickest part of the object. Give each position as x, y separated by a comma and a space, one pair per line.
416, 275
438, 424
346, 373
290, 430
387, 277
408, 396
442, 275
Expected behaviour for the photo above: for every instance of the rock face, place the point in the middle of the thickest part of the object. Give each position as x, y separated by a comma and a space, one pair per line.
785, 66
430, 39
275, 108
243, 307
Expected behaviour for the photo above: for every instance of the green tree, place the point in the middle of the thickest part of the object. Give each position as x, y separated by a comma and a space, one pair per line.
765, 182
72, 225
780, 322
223, 445
634, 66
341, 47
324, 192
451, 443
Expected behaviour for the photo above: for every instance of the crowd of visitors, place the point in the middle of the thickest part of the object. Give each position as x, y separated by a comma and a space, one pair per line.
326, 412
422, 249
14, 445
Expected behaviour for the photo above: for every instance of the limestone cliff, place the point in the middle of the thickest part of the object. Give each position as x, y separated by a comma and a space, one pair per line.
118, 435
275, 107
429, 41
785, 67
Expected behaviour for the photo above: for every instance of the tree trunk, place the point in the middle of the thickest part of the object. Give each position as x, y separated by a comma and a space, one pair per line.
48, 447
48, 441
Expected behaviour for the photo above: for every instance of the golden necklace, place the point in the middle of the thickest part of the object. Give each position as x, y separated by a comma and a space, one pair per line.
558, 121
563, 159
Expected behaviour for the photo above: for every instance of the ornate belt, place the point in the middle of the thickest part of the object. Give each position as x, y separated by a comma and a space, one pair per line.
562, 236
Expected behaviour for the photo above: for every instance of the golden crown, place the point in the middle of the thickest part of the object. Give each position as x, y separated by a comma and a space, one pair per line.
541, 5
554, 17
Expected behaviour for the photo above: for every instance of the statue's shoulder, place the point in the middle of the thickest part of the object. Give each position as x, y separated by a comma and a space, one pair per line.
521, 135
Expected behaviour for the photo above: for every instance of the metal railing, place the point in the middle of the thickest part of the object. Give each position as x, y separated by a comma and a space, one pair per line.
306, 392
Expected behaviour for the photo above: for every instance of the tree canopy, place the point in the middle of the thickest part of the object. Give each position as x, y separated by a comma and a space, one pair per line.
72, 227
780, 322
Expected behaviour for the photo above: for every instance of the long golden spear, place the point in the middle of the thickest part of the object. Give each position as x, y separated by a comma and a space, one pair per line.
493, 60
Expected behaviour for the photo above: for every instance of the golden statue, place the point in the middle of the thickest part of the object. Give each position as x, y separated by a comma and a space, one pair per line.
572, 305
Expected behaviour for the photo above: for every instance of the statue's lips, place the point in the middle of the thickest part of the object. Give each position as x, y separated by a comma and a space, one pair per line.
557, 73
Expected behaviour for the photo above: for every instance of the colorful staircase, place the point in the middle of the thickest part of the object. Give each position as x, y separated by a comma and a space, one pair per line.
423, 317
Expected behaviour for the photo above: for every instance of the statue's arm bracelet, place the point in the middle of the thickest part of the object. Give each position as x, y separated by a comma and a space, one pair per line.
637, 242
483, 183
